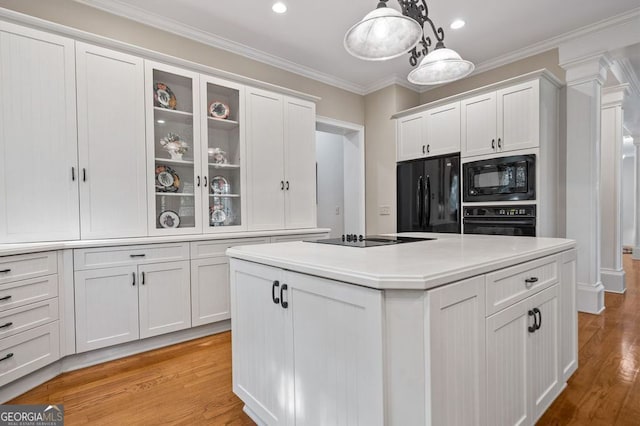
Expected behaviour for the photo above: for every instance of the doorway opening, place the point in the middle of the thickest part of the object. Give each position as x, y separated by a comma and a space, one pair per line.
340, 176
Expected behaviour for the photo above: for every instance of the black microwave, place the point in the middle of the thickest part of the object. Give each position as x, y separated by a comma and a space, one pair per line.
500, 179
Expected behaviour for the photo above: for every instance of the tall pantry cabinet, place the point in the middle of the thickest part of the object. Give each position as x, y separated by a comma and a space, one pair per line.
38, 151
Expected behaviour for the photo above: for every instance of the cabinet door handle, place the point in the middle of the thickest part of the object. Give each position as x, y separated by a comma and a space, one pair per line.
538, 319
428, 148
4, 271
134, 278
283, 302
7, 356
493, 144
2, 299
198, 181
528, 283
143, 278
274, 293
205, 181
137, 255
499, 143
532, 328
281, 185
287, 187
73, 174
9, 324
423, 149
84, 175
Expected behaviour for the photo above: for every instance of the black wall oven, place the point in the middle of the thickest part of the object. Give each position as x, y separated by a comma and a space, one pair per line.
515, 220
500, 179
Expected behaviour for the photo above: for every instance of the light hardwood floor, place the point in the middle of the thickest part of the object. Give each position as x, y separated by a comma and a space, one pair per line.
190, 383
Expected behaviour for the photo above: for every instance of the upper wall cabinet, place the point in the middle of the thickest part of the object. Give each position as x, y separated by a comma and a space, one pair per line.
173, 150
503, 120
429, 133
223, 153
111, 147
38, 148
280, 162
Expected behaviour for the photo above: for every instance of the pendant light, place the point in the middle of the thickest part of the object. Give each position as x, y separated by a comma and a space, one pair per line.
385, 33
382, 34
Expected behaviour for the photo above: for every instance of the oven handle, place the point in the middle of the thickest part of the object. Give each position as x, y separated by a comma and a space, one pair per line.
528, 222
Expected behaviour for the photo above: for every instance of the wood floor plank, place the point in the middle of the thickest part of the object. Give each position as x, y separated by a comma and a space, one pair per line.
190, 383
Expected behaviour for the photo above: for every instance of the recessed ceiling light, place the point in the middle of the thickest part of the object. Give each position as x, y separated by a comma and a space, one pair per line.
279, 7
457, 24
160, 121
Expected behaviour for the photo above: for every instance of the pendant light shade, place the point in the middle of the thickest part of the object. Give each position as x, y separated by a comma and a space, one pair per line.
382, 34
440, 66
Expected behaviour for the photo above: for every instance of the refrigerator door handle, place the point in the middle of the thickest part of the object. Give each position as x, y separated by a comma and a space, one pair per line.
427, 199
418, 198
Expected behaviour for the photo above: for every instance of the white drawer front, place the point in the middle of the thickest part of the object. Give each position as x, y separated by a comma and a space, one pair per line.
298, 237
218, 248
22, 293
23, 266
108, 257
24, 318
28, 351
510, 285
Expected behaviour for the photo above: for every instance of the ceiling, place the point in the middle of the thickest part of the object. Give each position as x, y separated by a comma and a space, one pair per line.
308, 39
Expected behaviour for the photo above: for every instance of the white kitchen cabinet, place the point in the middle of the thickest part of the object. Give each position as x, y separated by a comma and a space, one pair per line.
275, 347
106, 303
411, 137
443, 129
523, 373
38, 148
164, 298
174, 178
209, 290
503, 120
261, 370
111, 149
280, 162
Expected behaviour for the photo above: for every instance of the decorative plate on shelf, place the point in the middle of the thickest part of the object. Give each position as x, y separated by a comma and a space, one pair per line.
169, 219
219, 110
218, 216
219, 185
163, 97
217, 156
167, 180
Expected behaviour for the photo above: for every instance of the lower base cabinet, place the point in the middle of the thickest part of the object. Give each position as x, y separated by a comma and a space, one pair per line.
209, 290
122, 304
271, 357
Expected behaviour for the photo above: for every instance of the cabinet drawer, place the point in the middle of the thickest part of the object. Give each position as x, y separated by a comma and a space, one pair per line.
108, 257
218, 248
23, 266
24, 318
510, 285
298, 237
28, 351
25, 292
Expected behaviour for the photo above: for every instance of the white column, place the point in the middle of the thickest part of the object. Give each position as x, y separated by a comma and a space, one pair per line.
611, 271
584, 82
636, 245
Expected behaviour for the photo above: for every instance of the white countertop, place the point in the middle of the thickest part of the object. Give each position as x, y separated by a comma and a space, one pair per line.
411, 266
20, 248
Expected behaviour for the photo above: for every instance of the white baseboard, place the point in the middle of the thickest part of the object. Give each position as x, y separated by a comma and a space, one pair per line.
613, 280
590, 298
253, 416
77, 361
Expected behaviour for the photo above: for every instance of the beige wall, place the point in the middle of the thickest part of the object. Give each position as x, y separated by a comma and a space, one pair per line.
380, 154
335, 103
548, 60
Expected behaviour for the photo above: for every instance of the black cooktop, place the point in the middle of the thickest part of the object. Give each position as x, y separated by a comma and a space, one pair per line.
353, 240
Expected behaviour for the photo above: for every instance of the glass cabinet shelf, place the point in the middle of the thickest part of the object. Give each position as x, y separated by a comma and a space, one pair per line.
222, 123
225, 195
224, 166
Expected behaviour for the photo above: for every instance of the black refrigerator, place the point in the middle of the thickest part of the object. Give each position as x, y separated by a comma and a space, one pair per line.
428, 195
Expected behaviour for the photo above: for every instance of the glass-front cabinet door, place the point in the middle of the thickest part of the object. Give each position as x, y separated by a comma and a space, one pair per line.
222, 103
173, 150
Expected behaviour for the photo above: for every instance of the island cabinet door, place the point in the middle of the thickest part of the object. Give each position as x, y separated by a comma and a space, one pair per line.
261, 370
457, 353
335, 338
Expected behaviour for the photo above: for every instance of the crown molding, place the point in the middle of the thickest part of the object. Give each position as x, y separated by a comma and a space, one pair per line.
142, 16
625, 73
145, 17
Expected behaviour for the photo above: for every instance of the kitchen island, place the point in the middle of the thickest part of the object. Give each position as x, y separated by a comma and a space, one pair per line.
460, 330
